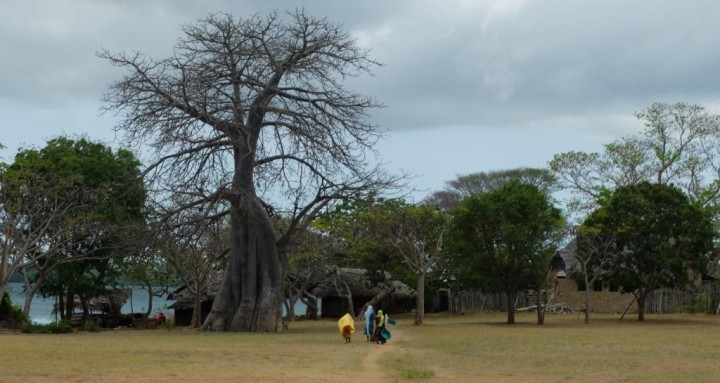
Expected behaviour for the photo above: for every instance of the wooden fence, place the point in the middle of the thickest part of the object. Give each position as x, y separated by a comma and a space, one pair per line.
704, 300
662, 301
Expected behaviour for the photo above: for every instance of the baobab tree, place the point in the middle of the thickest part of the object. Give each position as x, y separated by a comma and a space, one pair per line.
245, 114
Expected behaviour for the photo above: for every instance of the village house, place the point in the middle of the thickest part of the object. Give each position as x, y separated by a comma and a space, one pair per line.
606, 297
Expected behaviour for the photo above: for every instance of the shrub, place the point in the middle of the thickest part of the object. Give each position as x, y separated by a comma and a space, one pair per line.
11, 315
63, 327
700, 304
91, 325
169, 324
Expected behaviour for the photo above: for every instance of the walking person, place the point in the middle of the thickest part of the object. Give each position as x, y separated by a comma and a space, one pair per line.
379, 326
369, 319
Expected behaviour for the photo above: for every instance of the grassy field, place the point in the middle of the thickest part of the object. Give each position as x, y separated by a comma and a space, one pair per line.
470, 348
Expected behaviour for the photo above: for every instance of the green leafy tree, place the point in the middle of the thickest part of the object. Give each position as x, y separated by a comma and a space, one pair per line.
660, 238
503, 240
35, 218
103, 196
414, 236
358, 230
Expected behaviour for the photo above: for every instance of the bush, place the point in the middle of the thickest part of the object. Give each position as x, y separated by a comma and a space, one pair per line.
10, 314
29, 327
169, 324
700, 304
92, 325
63, 327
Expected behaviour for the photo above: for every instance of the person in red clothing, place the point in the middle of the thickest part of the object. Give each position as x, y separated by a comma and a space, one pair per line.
161, 318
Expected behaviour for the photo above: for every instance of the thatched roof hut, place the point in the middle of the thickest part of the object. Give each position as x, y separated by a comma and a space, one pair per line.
185, 300
109, 303
333, 292
362, 287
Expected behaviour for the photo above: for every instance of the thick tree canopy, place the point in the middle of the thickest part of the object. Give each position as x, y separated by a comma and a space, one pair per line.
659, 238
250, 116
69, 201
499, 240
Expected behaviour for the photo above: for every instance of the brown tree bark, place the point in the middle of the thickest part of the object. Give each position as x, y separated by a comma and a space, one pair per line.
250, 298
420, 299
540, 307
149, 289
375, 301
641, 294
587, 301
511, 306
312, 308
197, 311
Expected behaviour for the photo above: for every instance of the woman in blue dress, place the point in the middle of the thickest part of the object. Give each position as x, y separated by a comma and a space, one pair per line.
369, 319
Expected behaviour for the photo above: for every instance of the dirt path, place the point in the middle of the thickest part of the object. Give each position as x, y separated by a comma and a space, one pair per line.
372, 368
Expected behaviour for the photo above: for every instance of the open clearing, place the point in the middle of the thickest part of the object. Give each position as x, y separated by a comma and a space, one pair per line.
470, 348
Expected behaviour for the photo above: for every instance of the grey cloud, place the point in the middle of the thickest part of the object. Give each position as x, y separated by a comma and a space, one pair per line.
450, 62
556, 57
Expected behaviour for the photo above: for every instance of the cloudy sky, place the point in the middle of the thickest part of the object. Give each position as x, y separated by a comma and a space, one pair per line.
469, 85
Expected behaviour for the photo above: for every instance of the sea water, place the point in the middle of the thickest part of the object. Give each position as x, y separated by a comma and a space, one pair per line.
41, 310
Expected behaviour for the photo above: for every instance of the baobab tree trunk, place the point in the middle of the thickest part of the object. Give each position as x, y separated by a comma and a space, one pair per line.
251, 295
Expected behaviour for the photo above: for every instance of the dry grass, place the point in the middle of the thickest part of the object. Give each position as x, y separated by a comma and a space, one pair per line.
471, 348
668, 348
